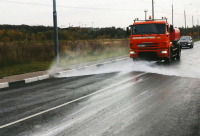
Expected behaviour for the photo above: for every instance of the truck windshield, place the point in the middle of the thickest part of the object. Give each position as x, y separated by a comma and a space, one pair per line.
148, 29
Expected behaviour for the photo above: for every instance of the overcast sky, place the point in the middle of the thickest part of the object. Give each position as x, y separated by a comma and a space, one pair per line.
103, 13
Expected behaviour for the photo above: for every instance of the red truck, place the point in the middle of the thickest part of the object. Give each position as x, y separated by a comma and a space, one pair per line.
154, 40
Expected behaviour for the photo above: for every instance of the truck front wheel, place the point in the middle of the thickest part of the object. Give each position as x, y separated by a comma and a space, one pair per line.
135, 59
169, 60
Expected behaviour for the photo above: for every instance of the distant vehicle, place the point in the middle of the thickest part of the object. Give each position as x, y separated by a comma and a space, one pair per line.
154, 39
186, 41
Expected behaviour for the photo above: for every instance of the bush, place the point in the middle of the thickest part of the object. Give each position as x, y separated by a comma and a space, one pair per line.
12, 53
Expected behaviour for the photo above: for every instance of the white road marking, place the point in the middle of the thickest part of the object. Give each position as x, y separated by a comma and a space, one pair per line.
29, 80
59, 106
4, 85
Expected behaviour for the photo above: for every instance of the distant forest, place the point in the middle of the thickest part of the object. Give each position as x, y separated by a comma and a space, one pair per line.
9, 33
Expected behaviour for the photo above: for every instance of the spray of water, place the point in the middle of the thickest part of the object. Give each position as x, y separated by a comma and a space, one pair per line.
188, 66
177, 68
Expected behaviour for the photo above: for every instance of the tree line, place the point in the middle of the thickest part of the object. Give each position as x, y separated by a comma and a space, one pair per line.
9, 33
193, 31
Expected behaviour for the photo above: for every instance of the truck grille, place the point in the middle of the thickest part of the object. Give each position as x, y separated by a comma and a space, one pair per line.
148, 45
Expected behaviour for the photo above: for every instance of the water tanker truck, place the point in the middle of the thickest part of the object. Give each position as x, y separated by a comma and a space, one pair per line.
154, 40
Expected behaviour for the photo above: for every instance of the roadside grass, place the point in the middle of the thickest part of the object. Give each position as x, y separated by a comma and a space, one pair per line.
196, 39
110, 48
22, 57
77, 59
24, 67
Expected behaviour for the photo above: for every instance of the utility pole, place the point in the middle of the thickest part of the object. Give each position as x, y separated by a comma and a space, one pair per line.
145, 14
152, 10
185, 14
192, 22
172, 13
79, 24
56, 46
193, 19
185, 19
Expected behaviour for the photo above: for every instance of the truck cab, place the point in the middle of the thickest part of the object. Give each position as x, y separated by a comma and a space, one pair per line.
154, 40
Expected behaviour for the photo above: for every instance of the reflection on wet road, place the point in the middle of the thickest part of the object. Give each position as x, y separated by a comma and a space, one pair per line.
124, 98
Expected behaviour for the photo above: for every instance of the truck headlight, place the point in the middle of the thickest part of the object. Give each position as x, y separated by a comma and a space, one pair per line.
163, 52
132, 52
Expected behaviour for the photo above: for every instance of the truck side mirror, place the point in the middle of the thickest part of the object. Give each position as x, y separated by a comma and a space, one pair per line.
127, 30
171, 28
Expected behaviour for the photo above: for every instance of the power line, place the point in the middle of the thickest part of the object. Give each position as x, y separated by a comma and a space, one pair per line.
23, 3
160, 6
86, 8
146, 1
33, 4
36, 4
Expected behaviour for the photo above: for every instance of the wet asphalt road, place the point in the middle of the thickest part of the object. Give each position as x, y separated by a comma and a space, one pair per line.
124, 99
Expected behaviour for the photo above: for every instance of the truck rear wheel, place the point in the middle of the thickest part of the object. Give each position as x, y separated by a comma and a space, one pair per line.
178, 54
